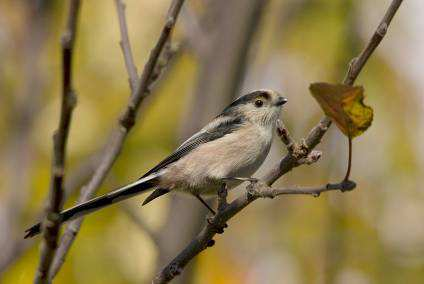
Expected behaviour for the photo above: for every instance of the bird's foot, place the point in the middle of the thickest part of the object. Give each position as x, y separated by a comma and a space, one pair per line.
222, 197
215, 221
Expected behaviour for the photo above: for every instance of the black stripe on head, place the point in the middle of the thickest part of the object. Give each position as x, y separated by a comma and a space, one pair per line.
245, 99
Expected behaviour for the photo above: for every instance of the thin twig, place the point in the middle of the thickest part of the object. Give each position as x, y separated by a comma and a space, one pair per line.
126, 46
60, 137
358, 63
285, 136
299, 151
126, 122
205, 238
262, 190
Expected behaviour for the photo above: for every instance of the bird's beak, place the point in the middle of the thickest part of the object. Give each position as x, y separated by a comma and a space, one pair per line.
280, 101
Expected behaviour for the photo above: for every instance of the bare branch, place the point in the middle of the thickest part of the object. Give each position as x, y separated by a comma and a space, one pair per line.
205, 238
126, 122
312, 157
75, 179
125, 45
358, 63
166, 55
285, 136
299, 151
259, 189
302, 150
60, 137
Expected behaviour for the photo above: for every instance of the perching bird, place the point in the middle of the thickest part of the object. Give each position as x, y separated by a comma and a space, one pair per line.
231, 147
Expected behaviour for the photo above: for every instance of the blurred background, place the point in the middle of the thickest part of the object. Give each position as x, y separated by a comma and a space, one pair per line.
374, 234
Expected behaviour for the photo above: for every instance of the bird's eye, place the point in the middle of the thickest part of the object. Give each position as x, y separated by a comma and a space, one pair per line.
259, 103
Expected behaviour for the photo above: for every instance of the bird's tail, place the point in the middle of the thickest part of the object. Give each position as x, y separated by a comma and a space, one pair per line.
97, 203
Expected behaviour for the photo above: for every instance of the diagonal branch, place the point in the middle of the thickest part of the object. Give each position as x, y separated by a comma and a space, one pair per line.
205, 238
355, 67
358, 63
60, 137
126, 122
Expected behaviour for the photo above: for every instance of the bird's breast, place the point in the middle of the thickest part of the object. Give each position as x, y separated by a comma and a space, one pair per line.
238, 154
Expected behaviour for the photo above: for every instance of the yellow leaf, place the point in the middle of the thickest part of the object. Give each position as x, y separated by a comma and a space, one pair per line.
345, 106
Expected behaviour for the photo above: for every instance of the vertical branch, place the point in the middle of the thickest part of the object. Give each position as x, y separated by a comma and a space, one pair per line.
60, 137
114, 146
126, 46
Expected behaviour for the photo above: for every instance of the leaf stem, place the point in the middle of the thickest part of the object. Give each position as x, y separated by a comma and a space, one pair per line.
349, 162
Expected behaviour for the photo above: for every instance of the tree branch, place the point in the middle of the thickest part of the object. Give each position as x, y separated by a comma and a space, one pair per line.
358, 63
74, 180
126, 122
259, 189
205, 238
126, 46
52, 221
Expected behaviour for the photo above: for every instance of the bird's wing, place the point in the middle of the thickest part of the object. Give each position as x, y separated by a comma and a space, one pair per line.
210, 132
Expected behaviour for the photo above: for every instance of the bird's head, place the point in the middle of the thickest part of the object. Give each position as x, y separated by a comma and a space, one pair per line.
260, 106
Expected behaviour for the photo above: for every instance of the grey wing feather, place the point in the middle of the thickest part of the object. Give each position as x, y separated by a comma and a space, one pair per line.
210, 133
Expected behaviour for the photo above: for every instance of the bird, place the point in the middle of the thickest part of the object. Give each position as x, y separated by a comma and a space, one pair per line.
228, 150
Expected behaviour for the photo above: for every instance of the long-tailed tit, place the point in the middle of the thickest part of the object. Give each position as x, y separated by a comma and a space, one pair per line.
231, 147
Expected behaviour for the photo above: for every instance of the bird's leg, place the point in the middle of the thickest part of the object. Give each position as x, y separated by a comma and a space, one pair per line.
222, 204
205, 203
222, 197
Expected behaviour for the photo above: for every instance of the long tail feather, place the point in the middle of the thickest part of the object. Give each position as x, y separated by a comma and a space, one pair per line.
97, 203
